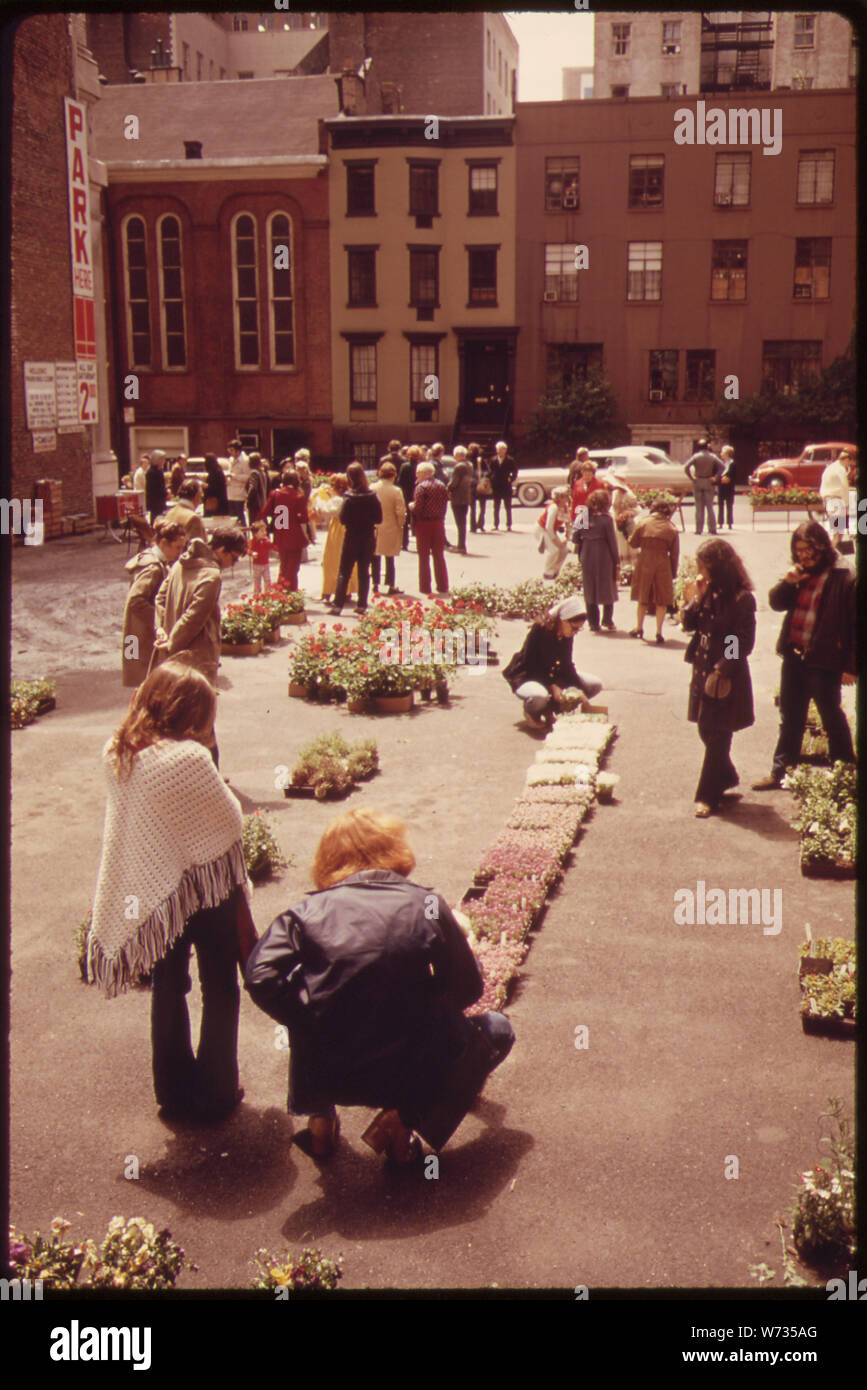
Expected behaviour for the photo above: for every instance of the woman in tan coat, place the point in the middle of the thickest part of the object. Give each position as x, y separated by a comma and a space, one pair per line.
655, 570
389, 533
147, 570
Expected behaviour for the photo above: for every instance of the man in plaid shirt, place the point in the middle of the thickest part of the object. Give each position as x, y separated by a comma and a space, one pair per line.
817, 644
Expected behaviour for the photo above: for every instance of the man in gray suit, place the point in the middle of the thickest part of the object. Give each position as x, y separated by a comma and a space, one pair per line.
704, 469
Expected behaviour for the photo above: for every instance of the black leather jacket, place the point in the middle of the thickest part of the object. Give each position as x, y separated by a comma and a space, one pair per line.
370, 977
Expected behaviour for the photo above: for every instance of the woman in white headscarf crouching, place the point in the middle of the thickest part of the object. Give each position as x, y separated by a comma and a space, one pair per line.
542, 674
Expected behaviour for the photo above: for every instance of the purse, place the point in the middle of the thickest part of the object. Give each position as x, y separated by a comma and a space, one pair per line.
484, 487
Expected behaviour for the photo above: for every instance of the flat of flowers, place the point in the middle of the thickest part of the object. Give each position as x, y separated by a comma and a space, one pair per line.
299, 793
822, 1026
826, 868
549, 754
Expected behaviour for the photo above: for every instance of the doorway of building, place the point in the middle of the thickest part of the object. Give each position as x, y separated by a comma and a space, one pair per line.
485, 388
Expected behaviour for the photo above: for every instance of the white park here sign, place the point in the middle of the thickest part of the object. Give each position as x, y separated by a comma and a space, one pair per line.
79, 212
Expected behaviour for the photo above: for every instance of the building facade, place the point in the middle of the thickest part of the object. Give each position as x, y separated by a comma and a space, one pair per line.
701, 262
220, 306
677, 53
423, 324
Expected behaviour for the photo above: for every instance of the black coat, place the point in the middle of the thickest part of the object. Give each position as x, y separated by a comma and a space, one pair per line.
155, 490
370, 977
361, 513
832, 642
406, 479
714, 621
502, 474
544, 657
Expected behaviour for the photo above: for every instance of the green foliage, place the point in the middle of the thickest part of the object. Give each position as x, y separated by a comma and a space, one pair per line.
833, 948
687, 572
262, 854
823, 408
829, 996
312, 1270
133, 1255
784, 497
823, 1218
827, 815
332, 765
528, 600
581, 412
243, 623
30, 698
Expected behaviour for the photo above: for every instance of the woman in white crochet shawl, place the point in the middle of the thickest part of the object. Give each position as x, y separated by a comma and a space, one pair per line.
173, 875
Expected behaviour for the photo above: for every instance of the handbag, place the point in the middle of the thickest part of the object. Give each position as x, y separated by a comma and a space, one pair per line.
484, 487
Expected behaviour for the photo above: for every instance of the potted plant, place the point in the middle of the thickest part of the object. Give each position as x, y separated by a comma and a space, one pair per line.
827, 819
262, 854
242, 630
330, 766
30, 698
826, 971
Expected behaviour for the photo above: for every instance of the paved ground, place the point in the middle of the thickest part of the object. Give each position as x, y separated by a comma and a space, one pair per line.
603, 1166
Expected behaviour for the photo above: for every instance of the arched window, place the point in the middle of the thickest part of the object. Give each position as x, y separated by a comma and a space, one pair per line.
280, 307
137, 301
246, 291
172, 293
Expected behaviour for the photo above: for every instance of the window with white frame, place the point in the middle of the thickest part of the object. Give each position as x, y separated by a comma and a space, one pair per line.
646, 176
483, 190
173, 327
815, 177
561, 275
246, 284
731, 187
644, 270
805, 31
280, 308
423, 365
137, 297
563, 183
362, 374
620, 39
671, 37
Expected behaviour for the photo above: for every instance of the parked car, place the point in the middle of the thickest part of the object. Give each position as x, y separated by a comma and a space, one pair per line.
804, 471
535, 485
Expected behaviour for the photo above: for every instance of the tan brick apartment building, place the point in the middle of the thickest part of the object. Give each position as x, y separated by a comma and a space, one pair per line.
423, 323
703, 260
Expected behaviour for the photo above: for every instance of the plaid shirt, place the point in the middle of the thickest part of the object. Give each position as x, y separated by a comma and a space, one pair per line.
805, 610
431, 500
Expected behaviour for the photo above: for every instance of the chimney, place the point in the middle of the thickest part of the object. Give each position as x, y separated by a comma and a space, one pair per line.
192, 149
350, 92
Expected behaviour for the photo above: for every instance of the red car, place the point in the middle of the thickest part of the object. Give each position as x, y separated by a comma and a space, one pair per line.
805, 471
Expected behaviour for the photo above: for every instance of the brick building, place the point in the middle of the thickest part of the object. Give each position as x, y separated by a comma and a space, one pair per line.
51, 63
702, 260
219, 245
423, 324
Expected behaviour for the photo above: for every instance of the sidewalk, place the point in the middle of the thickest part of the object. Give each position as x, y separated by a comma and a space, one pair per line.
603, 1166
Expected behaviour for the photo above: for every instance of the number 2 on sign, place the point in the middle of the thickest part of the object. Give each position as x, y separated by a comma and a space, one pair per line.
86, 413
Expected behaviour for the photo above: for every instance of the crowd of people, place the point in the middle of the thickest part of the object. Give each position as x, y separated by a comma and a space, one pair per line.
370, 973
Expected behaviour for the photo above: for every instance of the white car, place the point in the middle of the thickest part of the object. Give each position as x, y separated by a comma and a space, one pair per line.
640, 464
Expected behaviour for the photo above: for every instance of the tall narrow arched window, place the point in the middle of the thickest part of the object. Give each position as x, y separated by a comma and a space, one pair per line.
137, 301
246, 291
280, 308
172, 293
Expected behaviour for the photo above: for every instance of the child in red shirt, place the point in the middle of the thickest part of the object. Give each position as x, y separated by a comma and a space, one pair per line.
260, 549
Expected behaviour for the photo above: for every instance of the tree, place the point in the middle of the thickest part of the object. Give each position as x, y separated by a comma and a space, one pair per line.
823, 408
582, 411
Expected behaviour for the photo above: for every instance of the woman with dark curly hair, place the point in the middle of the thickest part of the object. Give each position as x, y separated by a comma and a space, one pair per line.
722, 619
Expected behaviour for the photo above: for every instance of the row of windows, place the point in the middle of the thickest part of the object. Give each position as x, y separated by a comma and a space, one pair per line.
786, 367
501, 65
671, 37
732, 181
423, 376
262, 293
728, 278
482, 189
424, 277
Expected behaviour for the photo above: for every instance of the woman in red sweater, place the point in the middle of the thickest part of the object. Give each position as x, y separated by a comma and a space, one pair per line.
287, 505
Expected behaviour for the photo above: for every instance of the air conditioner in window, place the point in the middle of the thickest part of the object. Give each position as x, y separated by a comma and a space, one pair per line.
656, 396
570, 200
550, 296
724, 200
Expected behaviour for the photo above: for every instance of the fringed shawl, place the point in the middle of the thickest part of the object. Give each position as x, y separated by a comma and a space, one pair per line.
171, 845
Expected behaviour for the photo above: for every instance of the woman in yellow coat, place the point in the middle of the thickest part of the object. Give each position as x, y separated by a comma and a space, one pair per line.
325, 504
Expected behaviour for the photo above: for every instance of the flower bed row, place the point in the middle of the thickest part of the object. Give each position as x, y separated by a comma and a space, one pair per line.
514, 879
28, 699
826, 971
528, 600
133, 1255
785, 497
256, 617
399, 647
827, 819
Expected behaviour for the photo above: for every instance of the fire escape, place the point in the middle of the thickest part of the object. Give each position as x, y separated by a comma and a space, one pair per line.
736, 50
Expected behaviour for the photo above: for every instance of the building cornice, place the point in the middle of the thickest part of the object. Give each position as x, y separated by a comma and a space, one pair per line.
306, 166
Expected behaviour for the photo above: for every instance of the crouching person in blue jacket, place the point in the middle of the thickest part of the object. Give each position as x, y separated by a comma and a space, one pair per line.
370, 974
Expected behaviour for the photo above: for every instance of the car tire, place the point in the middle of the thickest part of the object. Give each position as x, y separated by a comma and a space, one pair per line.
530, 494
